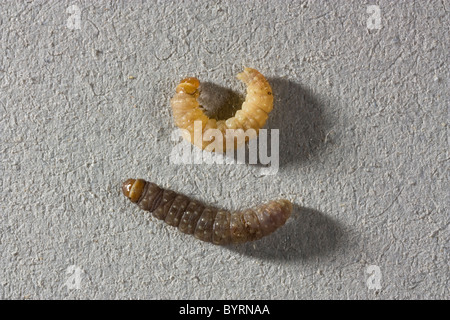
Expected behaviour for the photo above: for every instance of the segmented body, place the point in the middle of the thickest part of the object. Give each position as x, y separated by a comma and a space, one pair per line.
250, 118
207, 224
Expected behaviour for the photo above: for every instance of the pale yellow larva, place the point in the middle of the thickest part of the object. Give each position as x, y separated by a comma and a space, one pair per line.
248, 120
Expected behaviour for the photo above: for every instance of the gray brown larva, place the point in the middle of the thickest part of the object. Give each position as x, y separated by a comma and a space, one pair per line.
205, 223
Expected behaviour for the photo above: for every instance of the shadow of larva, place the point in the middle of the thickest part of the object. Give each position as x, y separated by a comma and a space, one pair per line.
219, 102
308, 234
206, 223
298, 114
302, 121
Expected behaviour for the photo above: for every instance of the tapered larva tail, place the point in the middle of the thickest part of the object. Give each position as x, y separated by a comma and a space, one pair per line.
205, 223
211, 134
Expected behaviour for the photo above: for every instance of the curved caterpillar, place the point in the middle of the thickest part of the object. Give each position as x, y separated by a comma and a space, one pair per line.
206, 223
253, 114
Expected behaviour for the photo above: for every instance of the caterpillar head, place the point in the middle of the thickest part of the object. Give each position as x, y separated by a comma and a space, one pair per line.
190, 86
132, 189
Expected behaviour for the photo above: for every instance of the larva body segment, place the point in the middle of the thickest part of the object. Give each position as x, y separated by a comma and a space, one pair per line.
250, 118
205, 223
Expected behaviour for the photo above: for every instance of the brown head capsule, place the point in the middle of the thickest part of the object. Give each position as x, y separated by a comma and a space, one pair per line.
205, 223
133, 189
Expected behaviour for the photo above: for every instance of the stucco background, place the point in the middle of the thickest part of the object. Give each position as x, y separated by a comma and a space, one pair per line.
363, 114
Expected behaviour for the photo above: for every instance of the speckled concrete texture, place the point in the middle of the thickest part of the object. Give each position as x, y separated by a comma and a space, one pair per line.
362, 108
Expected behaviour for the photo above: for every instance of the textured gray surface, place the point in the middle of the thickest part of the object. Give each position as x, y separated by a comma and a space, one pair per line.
363, 118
